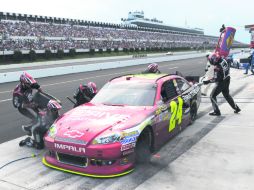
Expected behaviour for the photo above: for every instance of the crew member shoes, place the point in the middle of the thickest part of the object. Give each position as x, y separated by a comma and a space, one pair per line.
215, 113
237, 109
28, 142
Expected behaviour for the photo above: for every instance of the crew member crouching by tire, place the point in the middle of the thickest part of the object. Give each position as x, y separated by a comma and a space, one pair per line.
85, 93
45, 119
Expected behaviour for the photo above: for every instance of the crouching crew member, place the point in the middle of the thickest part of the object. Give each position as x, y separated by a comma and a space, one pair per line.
45, 119
85, 93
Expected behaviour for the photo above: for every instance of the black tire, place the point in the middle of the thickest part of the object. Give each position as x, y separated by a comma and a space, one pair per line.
193, 112
143, 147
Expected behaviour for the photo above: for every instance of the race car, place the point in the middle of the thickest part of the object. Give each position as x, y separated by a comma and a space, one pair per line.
169, 53
129, 119
239, 60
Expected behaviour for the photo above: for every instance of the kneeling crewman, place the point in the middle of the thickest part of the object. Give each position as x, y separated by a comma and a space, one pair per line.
45, 119
85, 93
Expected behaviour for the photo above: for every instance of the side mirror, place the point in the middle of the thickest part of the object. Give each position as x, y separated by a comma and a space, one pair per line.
159, 103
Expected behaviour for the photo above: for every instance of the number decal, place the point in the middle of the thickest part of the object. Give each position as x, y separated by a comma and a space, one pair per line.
179, 115
176, 113
172, 121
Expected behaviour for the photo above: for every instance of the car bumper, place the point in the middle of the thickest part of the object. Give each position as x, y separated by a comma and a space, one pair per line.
95, 162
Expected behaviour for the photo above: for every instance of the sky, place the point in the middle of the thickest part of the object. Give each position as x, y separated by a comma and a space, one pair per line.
206, 14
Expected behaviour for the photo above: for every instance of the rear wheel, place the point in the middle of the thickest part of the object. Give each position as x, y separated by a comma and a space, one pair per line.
143, 147
193, 112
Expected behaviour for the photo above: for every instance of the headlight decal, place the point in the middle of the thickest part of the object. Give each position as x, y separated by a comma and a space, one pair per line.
107, 139
52, 131
124, 137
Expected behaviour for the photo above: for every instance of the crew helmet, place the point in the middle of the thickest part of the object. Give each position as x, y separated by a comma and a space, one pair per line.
54, 105
153, 68
214, 58
25, 78
92, 87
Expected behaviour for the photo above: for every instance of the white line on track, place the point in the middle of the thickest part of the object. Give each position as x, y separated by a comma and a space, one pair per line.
70, 81
5, 100
5, 91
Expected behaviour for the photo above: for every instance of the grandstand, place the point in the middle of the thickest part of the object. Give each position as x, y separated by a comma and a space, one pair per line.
39, 33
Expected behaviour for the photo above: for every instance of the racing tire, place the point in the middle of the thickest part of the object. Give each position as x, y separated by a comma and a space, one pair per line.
193, 112
143, 147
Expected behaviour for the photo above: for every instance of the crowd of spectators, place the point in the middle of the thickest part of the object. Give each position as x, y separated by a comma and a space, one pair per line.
24, 35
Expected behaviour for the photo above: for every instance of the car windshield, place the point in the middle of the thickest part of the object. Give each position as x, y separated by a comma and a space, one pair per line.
129, 93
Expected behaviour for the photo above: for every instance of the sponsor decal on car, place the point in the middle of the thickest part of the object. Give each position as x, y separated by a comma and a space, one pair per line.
128, 140
128, 152
130, 134
73, 133
69, 147
191, 94
128, 146
161, 109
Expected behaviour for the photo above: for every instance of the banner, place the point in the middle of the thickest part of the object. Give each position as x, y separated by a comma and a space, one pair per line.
226, 41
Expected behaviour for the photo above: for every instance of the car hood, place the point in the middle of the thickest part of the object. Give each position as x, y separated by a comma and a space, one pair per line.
87, 121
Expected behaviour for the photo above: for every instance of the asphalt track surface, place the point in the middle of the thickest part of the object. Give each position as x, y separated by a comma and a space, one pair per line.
65, 85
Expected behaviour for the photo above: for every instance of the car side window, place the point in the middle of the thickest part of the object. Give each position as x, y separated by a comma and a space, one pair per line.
182, 85
168, 91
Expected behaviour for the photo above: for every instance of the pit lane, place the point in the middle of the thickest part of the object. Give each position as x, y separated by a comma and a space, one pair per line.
207, 155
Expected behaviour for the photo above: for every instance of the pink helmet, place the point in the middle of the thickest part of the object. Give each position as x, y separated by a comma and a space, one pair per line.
25, 78
214, 58
82, 87
92, 87
153, 67
54, 105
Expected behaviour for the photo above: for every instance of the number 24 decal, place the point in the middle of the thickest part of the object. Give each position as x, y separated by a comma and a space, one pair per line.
176, 113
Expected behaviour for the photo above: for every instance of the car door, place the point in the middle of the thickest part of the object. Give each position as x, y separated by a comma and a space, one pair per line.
169, 113
184, 89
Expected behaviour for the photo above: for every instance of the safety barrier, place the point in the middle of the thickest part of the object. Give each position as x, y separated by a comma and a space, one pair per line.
139, 55
46, 72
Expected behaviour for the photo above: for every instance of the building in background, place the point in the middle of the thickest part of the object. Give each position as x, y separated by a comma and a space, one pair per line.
250, 28
137, 18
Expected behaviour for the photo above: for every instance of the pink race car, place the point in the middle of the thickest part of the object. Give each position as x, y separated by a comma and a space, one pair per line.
129, 119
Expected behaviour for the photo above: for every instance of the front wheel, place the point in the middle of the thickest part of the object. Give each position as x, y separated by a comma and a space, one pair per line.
143, 147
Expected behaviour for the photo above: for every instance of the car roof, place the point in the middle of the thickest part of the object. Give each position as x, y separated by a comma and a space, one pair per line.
148, 77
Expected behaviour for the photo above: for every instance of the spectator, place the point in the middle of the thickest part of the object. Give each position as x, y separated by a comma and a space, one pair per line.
250, 64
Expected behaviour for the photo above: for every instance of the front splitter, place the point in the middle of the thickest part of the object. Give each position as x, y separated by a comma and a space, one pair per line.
84, 174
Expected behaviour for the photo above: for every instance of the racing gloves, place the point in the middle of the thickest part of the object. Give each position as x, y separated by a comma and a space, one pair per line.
206, 82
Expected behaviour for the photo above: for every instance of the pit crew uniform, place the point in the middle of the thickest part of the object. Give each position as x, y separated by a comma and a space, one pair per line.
23, 100
83, 95
222, 81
